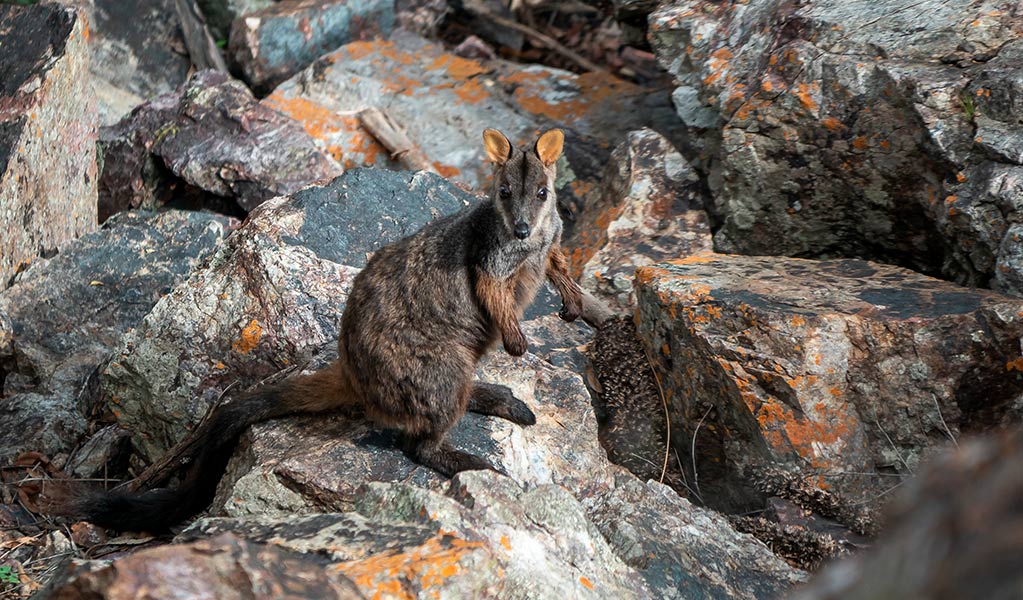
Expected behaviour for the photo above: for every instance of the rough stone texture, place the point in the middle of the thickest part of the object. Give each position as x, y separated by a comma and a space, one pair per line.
222, 568
444, 102
883, 130
138, 52
303, 463
219, 14
64, 317
483, 535
839, 371
271, 297
47, 133
215, 136
682, 551
647, 208
270, 45
954, 532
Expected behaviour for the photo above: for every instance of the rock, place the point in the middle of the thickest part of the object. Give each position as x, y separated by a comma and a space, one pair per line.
842, 373
940, 542
422, 17
216, 137
486, 536
310, 463
270, 45
269, 298
64, 317
682, 551
444, 102
104, 454
138, 52
47, 134
219, 14
647, 208
829, 128
224, 567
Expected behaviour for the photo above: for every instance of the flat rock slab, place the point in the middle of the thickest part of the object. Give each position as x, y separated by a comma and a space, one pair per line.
63, 319
881, 130
272, 44
647, 208
444, 102
836, 371
214, 135
47, 133
225, 567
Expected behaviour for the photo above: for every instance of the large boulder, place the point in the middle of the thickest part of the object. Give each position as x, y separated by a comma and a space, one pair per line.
216, 137
882, 130
272, 44
647, 208
47, 133
64, 318
840, 373
444, 102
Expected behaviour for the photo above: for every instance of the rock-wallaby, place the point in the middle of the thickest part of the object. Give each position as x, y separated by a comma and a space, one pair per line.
417, 320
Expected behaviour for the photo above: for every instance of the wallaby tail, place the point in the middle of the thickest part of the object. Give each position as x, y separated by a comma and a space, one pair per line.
159, 509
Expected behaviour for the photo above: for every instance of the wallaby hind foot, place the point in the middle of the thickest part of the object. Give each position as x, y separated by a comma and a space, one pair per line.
445, 458
498, 401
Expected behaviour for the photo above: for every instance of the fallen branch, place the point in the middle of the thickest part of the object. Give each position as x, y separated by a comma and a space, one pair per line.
391, 136
202, 50
544, 40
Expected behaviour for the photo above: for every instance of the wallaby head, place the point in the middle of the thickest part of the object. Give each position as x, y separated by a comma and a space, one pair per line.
524, 181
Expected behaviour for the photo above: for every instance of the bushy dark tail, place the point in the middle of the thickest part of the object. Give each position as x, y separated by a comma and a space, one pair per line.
159, 509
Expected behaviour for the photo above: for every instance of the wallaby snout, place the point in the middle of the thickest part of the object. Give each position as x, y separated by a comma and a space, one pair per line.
522, 230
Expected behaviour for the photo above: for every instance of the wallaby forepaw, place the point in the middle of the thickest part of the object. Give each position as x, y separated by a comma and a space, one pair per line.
516, 344
517, 412
570, 311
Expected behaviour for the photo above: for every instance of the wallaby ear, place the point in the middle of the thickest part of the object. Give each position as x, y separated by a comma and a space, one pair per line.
548, 146
498, 147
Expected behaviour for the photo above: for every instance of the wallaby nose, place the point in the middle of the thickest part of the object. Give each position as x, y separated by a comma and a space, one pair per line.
522, 230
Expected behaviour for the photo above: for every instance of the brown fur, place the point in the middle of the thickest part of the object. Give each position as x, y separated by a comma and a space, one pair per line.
417, 321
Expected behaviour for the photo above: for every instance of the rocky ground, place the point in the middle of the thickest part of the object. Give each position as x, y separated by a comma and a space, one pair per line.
804, 219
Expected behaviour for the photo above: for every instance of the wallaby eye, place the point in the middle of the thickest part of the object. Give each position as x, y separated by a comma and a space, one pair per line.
542, 194
504, 191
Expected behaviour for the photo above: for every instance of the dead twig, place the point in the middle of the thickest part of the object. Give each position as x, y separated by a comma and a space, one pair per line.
667, 416
943, 423
543, 40
392, 137
692, 451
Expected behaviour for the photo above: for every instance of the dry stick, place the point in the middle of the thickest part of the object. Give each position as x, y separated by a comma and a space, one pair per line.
696, 476
544, 40
388, 133
667, 417
943, 423
202, 50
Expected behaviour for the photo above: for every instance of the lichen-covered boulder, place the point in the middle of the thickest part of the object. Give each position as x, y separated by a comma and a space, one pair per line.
444, 102
882, 130
216, 137
647, 208
272, 44
840, 372
47, 133
64, 318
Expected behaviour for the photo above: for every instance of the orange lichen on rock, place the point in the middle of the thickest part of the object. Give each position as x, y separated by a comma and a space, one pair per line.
249, 339
402, 575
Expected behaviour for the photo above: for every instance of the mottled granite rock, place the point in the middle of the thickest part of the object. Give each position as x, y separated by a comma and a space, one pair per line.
47, 133
881, 130
842, 372
272, 44
65, 317
647, 208
444, 102
214, 136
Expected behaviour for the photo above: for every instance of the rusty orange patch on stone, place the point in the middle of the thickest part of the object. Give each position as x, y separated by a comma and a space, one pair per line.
960, 177
805, 95
249, 339
505, 542
406, 573
860, 142
446, 171
586, 583
951, 199
1015, 365
798, 321
832, 123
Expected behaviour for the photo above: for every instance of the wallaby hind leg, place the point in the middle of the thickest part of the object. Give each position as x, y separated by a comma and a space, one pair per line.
498, 401
443, 458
